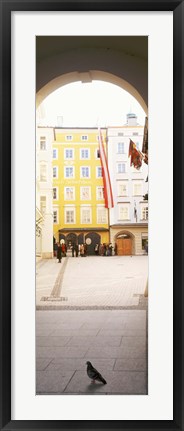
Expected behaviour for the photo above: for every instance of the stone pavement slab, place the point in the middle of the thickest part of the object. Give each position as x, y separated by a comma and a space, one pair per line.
62, 353
94, 281
52, 381
118, 382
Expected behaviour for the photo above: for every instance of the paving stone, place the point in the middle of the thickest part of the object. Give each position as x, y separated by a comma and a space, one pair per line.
94, 341
131, 352
118, 382
116, 352
121, 332
74, 332
73, 364
62, 352
42, 363
130, 364
133, 341
46, 329
105, 352
52, 341
113, 281
118, 349
52, 381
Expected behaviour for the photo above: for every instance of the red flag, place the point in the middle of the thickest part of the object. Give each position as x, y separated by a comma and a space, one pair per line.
135, 156
105, 174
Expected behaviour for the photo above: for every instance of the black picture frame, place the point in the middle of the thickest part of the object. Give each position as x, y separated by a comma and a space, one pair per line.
6, 7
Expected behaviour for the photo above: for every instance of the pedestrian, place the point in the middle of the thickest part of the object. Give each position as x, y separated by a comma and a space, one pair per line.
55, 249
116, 249
59, 253
85, 249
63, 249
72, 248
96, 249
82, 250
104, 249
76, 250
101, 250
110, 249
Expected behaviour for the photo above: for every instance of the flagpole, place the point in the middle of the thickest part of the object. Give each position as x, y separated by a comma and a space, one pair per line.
108, 209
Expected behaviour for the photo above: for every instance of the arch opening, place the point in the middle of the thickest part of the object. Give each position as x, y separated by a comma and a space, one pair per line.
87, 77
125, 243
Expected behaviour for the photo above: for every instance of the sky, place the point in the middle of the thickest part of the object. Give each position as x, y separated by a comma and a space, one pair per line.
95, 104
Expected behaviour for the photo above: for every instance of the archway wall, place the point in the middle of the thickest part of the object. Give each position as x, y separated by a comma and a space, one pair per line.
87, 64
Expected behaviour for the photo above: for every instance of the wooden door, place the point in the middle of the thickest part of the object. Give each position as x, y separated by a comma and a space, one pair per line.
124, 247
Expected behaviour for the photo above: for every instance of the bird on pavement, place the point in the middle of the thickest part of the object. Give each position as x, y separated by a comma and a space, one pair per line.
94, 374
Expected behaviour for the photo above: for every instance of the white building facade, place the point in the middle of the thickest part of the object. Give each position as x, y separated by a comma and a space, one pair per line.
129, 218
44, 193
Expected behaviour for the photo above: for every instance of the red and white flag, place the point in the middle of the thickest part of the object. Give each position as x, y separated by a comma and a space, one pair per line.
105, 174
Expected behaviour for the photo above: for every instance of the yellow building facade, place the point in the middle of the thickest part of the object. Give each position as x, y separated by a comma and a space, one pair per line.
79, 213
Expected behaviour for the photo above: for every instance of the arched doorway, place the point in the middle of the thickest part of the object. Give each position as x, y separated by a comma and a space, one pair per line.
125, 244
81, 238
63, 60
71, 239
92, 239
61, 237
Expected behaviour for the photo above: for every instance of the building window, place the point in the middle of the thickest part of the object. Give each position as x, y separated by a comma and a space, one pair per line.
43, 204
84, 137
120, 134
122, 189
99, 172
123, 212
85, 193
144, 242
69, 215
135, 134
144, 213
69, 171
121, 168
121, 147
84, 153
55, 193
69, 153
69, 193
68, 137
55, 216
101, 215
85, 172
100, 193
86, 215
55, 172
137, 189
54, 153
43, 172
97, 154
43, 143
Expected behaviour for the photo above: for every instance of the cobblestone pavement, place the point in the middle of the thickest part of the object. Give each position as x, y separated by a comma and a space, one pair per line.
114, 341
92, 282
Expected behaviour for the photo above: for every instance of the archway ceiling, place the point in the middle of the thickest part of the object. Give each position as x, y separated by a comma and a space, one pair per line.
48, 46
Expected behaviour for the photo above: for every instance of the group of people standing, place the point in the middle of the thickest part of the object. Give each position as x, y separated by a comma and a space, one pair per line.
104, 249
60, 250
79, 249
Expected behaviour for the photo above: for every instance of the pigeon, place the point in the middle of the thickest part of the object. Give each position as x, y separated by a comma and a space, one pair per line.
94, 374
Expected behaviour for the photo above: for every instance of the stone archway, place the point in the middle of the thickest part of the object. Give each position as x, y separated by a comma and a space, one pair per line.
121, 60
124, 244
92, 238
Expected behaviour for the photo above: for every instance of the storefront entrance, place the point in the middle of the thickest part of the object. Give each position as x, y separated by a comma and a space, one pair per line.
124, 245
